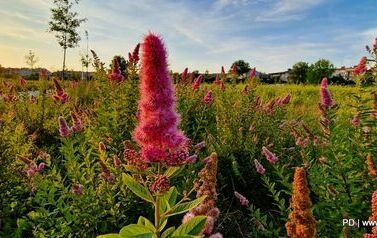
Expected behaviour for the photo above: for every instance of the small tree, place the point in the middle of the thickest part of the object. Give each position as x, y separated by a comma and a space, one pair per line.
298, 73
65, 22
242, 67
31, 59
319, 70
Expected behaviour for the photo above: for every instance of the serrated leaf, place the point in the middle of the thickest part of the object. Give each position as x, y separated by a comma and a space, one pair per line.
135, 231
193, 227
137, 188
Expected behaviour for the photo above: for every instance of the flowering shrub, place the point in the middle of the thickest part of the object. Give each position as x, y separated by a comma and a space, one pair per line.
163, 149
73, 165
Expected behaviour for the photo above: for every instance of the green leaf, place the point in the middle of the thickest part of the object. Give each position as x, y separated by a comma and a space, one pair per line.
168, 232
145, 222
193, 227
168, 199
135, 231
109, 236
137, 188
171, 196
173, 171
184, 207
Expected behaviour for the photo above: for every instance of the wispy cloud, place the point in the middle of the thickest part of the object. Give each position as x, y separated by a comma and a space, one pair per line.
270, 34
287, 10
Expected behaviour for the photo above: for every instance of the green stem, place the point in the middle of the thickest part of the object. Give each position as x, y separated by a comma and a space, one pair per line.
157, 208
157, 216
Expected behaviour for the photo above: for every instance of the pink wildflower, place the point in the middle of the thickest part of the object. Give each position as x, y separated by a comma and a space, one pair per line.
285, 100
77, 124
325, 94
253, 73
184, 75
361, 67
243, 200
222, 70
78, 189
60, 95
135, 54
356, 119
197, 82
160, 184
271, 157
191, 159
64, 129
22, 82
115, 74
208, 98
259, 167
41, 167
157, 132
200, 145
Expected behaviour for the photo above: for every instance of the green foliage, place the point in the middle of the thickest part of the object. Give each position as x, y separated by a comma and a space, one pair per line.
298, 73
64, 23
242, 67
319, 70
45, 205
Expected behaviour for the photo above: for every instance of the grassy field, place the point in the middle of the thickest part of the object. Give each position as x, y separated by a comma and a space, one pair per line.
235, 126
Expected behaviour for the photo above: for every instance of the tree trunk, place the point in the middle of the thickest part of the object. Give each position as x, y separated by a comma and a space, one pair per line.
63, 71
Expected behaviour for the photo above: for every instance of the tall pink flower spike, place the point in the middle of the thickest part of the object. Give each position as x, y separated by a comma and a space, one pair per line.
157, 131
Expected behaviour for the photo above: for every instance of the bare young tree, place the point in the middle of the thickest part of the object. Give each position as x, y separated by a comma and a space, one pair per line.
85, 58
65, 23
31, 59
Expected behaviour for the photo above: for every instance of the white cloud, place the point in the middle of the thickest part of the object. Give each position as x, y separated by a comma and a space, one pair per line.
287, 10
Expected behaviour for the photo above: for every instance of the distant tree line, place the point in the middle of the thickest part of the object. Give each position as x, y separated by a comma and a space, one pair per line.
305, 73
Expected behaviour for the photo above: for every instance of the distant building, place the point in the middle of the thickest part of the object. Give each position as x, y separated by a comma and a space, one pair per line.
24, 72
343, 71
279, 77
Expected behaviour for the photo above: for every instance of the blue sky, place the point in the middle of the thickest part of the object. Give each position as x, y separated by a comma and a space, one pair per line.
269, 34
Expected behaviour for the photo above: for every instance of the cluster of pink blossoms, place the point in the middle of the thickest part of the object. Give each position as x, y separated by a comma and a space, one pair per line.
208, 98
242, 199
253, 73
134, 57
157, 131
271, 157
259, 167
361, 67
197, 82
78, 189
184, 75
60, 94
32, 167
65, 130
356, 119
208, 179
115, 75
326, 99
